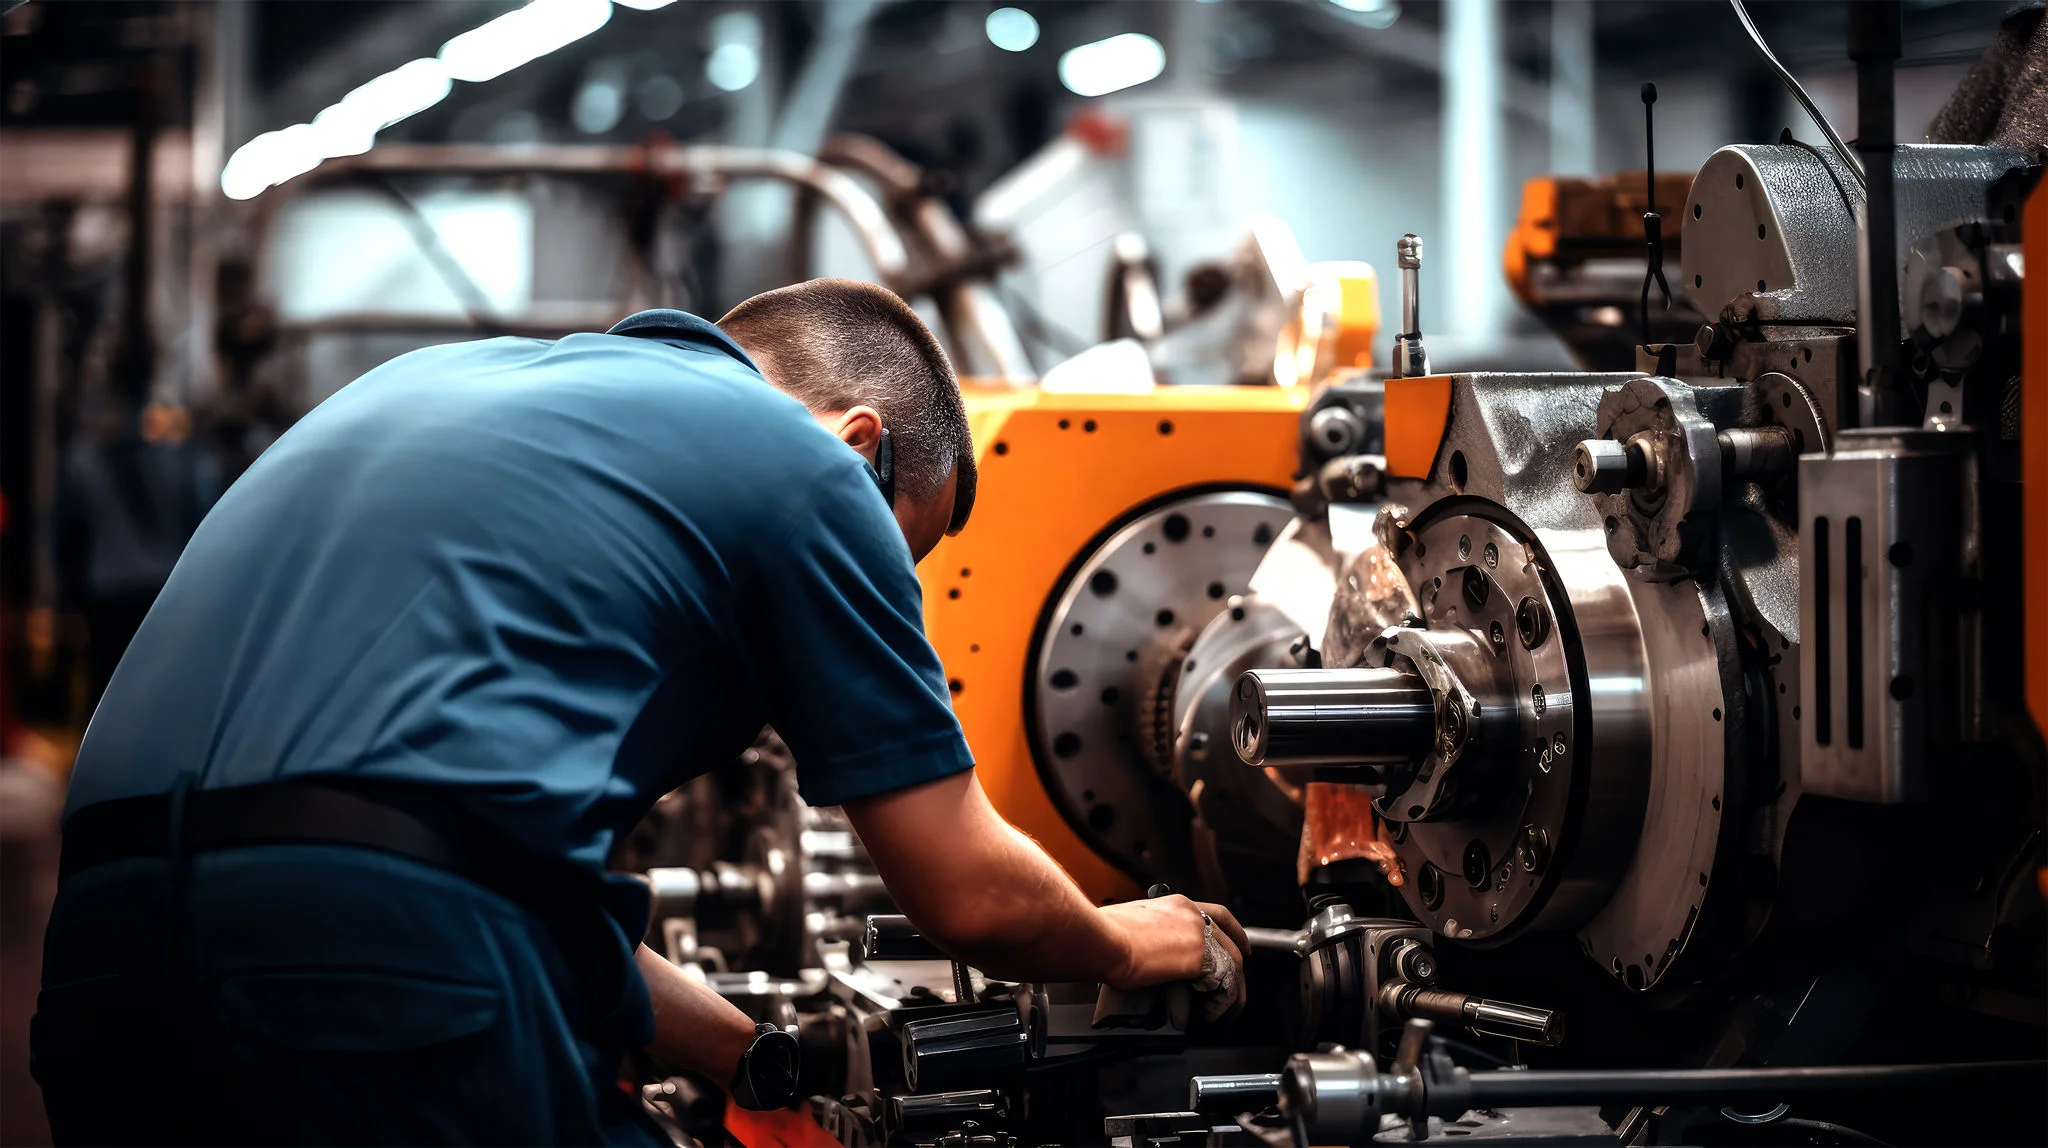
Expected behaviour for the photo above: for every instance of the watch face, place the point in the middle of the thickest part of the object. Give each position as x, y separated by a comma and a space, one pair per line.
772, 1067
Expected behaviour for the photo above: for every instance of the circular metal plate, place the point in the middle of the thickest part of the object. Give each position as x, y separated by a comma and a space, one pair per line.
1552, 784
1100, 687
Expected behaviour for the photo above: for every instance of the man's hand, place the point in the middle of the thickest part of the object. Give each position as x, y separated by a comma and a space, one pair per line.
990, 897
1163, 936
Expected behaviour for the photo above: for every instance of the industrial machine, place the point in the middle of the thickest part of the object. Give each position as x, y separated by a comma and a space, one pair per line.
1647, 756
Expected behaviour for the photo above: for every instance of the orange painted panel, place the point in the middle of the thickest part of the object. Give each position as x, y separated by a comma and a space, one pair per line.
1418, 412
1055, 470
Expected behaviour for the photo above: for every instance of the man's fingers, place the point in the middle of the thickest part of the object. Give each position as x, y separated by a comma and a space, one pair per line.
1227, 921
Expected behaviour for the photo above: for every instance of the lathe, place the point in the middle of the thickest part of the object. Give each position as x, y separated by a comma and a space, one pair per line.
1645, 756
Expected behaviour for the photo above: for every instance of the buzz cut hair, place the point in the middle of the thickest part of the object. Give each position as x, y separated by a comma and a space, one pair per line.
835, 344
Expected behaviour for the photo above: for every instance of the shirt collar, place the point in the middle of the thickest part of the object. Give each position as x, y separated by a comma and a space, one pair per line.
680, 329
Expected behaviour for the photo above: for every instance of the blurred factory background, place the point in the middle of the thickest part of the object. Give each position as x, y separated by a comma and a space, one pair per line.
214, 214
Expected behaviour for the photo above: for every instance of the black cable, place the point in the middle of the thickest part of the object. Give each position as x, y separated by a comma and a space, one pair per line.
1840, 1133
1299, 1125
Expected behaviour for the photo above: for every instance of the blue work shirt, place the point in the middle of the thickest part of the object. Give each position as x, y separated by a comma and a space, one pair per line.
552, 580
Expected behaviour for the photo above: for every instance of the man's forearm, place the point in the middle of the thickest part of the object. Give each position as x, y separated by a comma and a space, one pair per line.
694, 1028
989, 896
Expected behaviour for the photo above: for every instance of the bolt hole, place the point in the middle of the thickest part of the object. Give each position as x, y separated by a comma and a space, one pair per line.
1208, 532
1262, 534
1759, 231
1065, 423
955, 685
1902, 687
1002, 448
1109, 696
1717, 802
1103, 583
1717, 713
1901, 554
1165, 426
1215, 589
1759, 286
1076, 629
1102, 817
1067, 744
1699, 281
953, 593
1459, 474
1064, 679
1163, 618
1130, 655
1695, 211
1738, 181
1175, 528
1089, 426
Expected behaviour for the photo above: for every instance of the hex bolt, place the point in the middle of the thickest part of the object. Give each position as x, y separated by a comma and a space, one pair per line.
1603, 466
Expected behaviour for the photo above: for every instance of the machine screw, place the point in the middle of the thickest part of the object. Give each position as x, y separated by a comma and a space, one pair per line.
1532, 622
1532, 851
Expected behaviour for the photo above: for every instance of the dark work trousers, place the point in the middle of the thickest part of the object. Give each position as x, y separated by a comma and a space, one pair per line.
316, 994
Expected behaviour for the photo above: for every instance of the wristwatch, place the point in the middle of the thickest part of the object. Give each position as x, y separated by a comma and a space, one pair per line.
768, 1070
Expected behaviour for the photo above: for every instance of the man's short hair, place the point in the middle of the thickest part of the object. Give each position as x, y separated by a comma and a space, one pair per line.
835, 344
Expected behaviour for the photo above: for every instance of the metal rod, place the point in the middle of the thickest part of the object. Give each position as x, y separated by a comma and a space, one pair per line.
1359, 717
1874, 43
1226, 1095
1736, 1085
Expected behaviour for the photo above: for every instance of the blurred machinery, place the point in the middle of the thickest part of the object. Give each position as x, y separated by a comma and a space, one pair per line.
1645, 756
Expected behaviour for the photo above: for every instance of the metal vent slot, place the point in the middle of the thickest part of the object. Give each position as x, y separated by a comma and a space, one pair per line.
1823, 636
1852, 626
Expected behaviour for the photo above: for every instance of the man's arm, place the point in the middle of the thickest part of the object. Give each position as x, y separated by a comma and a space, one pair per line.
694, 1027
990, 897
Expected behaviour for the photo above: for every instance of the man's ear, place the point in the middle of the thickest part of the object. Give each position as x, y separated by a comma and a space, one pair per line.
861, 429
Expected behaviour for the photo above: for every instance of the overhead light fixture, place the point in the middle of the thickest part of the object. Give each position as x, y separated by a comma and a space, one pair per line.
1112, 65
1012, 29
521, 35
1371, 13
735, 60
644, 5
351, 124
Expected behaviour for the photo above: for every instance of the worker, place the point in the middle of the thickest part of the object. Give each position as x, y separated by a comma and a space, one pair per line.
333, 863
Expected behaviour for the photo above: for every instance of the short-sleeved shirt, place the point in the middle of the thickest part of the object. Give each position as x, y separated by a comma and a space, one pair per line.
553, 580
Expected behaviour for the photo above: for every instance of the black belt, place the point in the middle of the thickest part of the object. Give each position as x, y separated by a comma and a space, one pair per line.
408, 820
388, 817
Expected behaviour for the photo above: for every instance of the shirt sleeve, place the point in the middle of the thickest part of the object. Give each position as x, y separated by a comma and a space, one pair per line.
837, 614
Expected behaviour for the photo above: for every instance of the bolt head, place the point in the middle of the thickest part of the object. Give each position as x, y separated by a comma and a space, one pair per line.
1600, 466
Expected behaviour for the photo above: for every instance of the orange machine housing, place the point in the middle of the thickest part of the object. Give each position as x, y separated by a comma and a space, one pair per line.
1055, 469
